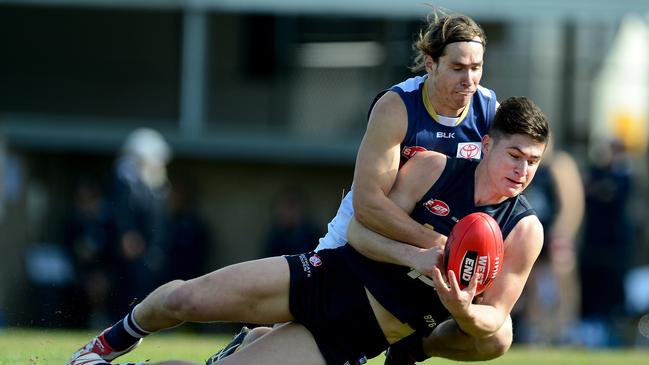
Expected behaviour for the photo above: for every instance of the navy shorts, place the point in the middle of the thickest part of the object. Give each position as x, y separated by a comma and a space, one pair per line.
332, 304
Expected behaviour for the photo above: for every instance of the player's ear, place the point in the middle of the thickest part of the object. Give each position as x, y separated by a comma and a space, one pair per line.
487, 141
429, 63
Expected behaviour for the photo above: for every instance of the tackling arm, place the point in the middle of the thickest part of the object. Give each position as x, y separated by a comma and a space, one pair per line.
376, 169
413, 180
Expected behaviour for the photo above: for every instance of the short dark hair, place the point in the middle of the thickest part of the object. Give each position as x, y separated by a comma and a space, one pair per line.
442, 30
520, 115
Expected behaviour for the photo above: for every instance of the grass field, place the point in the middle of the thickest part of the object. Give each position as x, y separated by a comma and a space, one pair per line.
40, 347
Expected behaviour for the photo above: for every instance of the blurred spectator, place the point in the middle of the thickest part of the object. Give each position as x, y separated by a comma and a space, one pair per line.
140, 193
48, 265
292, 230
605, 253
187, 234
50, 274
90, 236
550, 305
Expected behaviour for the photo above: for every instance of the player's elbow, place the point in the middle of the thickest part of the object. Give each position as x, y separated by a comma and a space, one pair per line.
362, 215
496, 347
497, 344
364, 208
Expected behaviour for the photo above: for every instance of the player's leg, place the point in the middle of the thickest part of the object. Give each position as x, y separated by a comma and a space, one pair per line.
288, 344
407, 351
242, 339
254, 334
254, 292
449, 341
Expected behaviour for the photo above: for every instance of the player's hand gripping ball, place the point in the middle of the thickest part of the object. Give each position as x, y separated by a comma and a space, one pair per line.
475, 246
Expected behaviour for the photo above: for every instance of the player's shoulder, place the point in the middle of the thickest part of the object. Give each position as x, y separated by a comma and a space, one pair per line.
410, 85
390, 99
429, 160
528, 229
423, 170
390, 108
393, 98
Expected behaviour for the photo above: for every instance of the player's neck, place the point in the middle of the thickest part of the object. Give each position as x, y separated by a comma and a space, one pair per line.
484, 192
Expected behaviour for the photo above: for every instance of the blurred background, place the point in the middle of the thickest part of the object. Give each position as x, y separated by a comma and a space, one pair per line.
182, 136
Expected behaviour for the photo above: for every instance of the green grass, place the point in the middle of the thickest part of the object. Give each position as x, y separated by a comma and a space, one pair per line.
40, 347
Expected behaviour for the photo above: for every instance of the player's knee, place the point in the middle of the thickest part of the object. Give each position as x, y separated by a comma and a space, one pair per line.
181, 301
255, 334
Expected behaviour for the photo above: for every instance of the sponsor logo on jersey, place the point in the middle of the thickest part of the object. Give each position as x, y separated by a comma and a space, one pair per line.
469, 150
315, 260
445, 135
437, 207
305, 265
409, 151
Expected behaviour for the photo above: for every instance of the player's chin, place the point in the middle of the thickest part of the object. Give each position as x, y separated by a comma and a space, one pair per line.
463, 99
511, 192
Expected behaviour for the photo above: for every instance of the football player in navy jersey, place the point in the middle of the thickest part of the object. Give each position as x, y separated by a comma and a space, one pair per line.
340, 307
474, 332
445, 110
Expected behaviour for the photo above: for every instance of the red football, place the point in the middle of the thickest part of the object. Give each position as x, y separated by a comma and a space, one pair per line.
475, 245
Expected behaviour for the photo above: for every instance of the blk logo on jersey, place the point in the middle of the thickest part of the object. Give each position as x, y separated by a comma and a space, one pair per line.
437, 207
470, 150
445, 135
409, 151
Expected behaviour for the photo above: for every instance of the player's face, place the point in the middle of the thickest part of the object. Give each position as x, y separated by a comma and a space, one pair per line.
455, 77
511, 163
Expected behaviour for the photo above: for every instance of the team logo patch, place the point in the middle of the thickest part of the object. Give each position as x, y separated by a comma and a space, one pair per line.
409, 151
315, 260
437, 207
469, 150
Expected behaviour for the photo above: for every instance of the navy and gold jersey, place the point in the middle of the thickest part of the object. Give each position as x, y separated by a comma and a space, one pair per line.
407, 294
426, 132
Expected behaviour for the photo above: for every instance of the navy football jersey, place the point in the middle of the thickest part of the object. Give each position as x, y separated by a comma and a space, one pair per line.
404, 292
425, 132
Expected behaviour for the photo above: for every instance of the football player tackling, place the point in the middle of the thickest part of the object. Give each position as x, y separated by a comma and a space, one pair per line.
342, 307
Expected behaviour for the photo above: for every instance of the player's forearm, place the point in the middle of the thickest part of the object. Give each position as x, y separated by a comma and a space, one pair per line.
480, 320
377, 247
381, 215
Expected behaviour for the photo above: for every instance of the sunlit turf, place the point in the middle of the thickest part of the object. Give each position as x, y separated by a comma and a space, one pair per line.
36, 347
